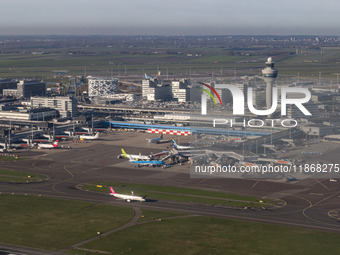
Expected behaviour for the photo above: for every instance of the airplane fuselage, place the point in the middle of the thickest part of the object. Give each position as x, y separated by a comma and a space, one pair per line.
131, 156
148, 162
89, 137
128, 198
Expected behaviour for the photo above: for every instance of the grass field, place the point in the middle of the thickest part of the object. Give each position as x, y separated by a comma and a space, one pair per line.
206, 235
148, 214
178, 194
118, 62
19, 177
9, 158
54, 224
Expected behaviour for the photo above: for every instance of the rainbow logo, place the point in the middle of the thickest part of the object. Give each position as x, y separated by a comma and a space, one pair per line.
209, 93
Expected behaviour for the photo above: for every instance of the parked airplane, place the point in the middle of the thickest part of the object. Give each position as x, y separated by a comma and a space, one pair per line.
19, 145
82, 133
128, 198
180, 147
48, 145
133, 157
41, 140
90, 130
89, 137
59, 136
16, 145
156, 140
150, 162
63, 137
147, 162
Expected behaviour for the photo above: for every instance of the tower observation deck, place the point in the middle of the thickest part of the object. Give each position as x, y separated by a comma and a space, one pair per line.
269, 70
269, 74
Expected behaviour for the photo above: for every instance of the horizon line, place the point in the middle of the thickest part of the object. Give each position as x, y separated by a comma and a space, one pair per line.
172, 35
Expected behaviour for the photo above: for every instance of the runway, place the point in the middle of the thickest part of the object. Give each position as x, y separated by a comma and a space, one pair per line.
306, 204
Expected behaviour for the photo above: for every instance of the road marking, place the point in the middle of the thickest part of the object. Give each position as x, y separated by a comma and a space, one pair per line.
316, 194
321, 183
252, 187
55, 184
334, 213
336, 193
203, 180
312, 205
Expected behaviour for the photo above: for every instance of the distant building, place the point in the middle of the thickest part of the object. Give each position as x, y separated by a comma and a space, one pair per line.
321, 97
100, 87
148, 88
259, 97
318, 131
26, 89
11, 93
66, 106
180, 90
226, 95
295, 113
152, 90
7, 84
24, 113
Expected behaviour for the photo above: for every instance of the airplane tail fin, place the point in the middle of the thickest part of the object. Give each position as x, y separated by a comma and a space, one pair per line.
55, 144
174, 143
112, 191
124, 153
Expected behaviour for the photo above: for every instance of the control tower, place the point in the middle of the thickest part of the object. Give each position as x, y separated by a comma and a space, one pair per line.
269, 75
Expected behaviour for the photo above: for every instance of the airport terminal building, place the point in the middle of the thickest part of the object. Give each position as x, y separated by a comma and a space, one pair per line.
66, 106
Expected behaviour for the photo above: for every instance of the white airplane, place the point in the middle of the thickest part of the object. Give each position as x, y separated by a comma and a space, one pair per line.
59, 136
89, 130
128, 198
63, 137
133, 157
16, 145
89, 137
152, 163
48, 145
19, 145
156, 140
180, 147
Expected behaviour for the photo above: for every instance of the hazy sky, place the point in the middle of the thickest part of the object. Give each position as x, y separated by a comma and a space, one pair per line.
171, 17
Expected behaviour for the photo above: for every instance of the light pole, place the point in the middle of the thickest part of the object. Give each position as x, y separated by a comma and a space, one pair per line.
9, 134
92, 125
110, 122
